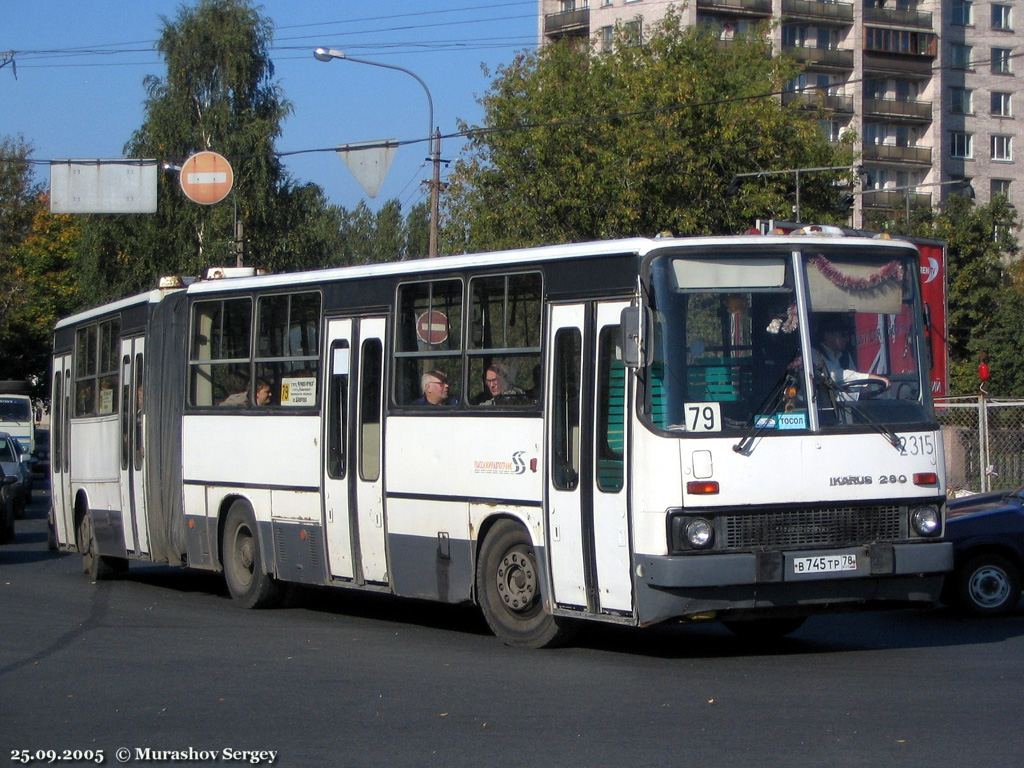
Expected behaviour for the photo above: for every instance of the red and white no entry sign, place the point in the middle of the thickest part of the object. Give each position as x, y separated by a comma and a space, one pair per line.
206, 178
432, 327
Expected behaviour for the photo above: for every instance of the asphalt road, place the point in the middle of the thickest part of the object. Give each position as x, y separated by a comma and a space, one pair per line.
162, 660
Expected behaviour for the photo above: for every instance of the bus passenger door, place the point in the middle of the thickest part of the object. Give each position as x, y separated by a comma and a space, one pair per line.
336, 449
133, 474
588, 527
610, 417
567, 538
369, 452
353, 483
60, 476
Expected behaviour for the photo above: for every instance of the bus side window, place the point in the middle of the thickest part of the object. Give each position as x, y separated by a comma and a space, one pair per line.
565, 431
340, 360
611, 411
370, 363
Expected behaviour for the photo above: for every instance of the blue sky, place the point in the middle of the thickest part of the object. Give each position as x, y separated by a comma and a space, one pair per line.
86, 103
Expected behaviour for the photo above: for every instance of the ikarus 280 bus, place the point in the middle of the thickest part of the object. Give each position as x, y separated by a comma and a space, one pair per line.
668, 439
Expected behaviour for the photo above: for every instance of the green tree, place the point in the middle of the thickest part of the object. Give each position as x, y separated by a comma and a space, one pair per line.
417, 231
37, 284
985, 303
218, 94
578, 144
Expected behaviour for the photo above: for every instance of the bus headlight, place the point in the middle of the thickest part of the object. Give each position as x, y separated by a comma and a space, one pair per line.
926, 521
699, 533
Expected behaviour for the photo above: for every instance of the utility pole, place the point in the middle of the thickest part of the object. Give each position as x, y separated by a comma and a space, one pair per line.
435, 190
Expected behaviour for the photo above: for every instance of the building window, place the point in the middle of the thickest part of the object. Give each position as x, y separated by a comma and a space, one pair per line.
1001, 61
961, 101
960, 56
961, 145
1002, 148
832, 129
634, 32
606, 35
963, 13
900, 41
999, 187
1002, 105
1001, 17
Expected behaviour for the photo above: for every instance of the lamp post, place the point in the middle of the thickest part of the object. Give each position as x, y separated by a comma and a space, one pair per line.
734, 184
326, 54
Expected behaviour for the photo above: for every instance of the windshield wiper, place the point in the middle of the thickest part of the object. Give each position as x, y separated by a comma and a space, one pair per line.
822, 377
775, 398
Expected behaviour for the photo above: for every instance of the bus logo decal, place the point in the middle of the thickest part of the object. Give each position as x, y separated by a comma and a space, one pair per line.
513, 466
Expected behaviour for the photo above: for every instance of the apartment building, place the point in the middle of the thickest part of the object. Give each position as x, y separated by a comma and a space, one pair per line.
931, 87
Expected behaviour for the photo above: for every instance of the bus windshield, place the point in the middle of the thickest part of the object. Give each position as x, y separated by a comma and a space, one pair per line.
15, 409
727, 350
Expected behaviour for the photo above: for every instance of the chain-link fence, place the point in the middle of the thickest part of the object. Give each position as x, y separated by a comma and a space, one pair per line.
984, 442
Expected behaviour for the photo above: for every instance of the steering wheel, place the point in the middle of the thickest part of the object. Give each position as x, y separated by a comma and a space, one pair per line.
867, 388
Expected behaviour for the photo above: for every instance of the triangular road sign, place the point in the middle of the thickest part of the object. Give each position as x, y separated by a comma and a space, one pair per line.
369, 162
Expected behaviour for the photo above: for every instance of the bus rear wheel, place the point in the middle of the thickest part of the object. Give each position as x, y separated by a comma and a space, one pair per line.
508, 589
248, 582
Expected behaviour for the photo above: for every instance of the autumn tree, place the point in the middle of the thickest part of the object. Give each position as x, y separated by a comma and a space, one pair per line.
578, 144
37, 283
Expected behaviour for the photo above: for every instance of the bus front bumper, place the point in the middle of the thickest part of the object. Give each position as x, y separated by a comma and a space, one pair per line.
681, 586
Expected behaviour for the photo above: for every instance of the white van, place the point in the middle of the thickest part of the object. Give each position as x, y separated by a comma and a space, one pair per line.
17, 419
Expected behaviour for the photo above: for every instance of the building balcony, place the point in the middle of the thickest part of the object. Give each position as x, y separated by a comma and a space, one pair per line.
737, 7
890, 153
575, 22
819, 100
840, 13
896, 65
918, 19
835, 58
891, 199
895, 108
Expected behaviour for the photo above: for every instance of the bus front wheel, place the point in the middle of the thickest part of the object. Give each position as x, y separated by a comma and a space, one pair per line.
247, 580
508, 589
98, 567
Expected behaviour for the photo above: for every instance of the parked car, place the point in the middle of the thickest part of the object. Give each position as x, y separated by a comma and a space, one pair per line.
7, 500
18, 465
987, 531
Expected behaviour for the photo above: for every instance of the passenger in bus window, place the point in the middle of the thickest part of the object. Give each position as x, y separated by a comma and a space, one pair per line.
263, 393
434, 385
500, 387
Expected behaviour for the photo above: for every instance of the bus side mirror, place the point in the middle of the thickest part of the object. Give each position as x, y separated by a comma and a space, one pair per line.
632, 351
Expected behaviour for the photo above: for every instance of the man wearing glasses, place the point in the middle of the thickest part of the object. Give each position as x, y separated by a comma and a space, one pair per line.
434, 385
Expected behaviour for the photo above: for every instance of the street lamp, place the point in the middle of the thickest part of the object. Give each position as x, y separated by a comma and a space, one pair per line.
735, 183
326, 54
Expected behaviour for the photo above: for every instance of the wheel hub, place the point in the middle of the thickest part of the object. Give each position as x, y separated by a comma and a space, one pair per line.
989, 586
517, 580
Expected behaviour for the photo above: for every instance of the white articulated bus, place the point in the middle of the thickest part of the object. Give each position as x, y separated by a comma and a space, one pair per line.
630, 431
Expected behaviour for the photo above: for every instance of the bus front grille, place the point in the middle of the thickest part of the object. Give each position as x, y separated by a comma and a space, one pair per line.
816, 526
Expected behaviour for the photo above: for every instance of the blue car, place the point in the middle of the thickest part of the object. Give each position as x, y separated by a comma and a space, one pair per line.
987, 531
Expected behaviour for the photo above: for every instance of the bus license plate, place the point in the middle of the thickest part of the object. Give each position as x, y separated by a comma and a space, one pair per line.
825, 564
